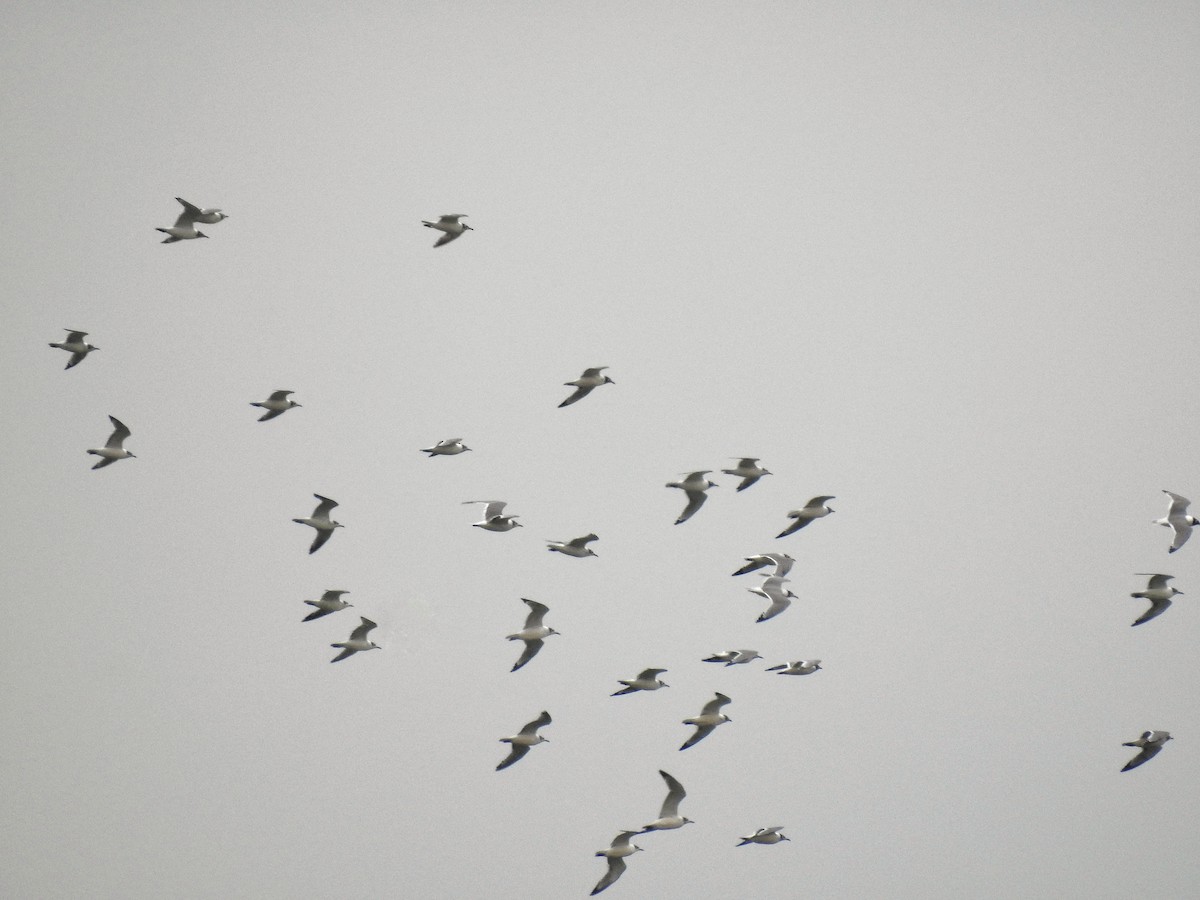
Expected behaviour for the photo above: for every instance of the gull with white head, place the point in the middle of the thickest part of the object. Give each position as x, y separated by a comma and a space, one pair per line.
357, 642
710, 717
114, 448
184, 228
448, 447
585, 384
276, 405
781, 561
616, 854
450, 225
647, 680
748, 470
734, 657
533, 634
694, 485
669, 817
772, 589
577, 547
524, 739
321, 522
1178, 520
76, 346
816, 508
798, 667
1159, 593
330, 602
772, 835
493, 517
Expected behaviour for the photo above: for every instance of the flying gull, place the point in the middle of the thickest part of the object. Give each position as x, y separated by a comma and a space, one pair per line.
493, 520
669, 817
770, 835
321, 522
524, 739
448, 447
450, 225
815, 508
533, 634
748, 470
577, 547
710, 717
358, 641
1178, 520
647, 680
585, 384
76, 346
330, 602
798, 667
694, 486
616, 854
114, 448
1159, 593
276, 405
781, 561
1150, 742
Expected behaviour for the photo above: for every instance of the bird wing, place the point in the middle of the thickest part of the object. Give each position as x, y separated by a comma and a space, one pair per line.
517, 751
346, 652
536, 612
530, 651
532, 727
1179, 504
580, 393
324, 507
747, 481
117, 438
187, 218
794, 527
580, 542
777, 606
616, 867
695, 501
76, 359
702, 731
74, 337
318, 613
712, 707
493, 509
1183, 531
649, 674
280, 395
319, 540
447, 237
593, 372
1157, 608
360, 633
818, 502
753, 563
1157, 582
1149, 751
675, 793
270, 414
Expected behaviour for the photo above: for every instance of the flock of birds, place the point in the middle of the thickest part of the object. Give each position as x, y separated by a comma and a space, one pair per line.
534, 632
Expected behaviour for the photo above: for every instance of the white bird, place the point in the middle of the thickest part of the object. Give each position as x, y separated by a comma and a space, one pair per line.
781, 561
748, 470
799, 667
358, 641
493, 520
772, 589
184, 228
1150, 742
76, 346
194, 213
616, 854
330, 602
770, 835
448, 447
114, 448
669, 817
533, 634
1178, 519
734, 657
276, 405
577, 547
694, 486
321, 522
647, 680
585, 384
524, 739
710, 717
1159, 593
450, 225
816, 508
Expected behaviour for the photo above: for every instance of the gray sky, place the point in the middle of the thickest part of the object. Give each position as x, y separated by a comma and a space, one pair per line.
935, 259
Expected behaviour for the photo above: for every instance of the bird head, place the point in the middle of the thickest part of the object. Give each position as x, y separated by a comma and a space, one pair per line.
201, 234
552, 631
467, 227
338, 525
608, 380
92, 347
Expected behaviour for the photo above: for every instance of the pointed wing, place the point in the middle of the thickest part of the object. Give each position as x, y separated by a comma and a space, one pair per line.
493, 509
794, 527
747, 481
280, 395
1148, 752
270, 414
103, 463
345, 653
324, 507
712, 707
536, 612
318, 613
74, 337
117, 438
580, 542
753, 564
360, 633
1179, 504
818, 502
187, 218
1157, 608
702, 731
1157, 582
447, 237
695, 501
530, 651
776, 607
1183, 531
76, 359
616, 867
579, 394
649, 674
517, 751
532, 727
319, 540
675, 793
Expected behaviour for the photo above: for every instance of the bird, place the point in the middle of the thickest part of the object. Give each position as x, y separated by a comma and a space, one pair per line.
320, 520
450, 225
276, 405
647, 680
448, 447
1159, 593
330, 602
799, 667
1178, 519
76, 346
196, 214
748, 470
710, 717
694, 485
770, 835
585, 384
533, 634
772, 589
357, 642
669, 817
184, 228
576, 547
782, 562
616, 854
1150, 742
114, 448
815, 508
524, 739
492, 519
734, 657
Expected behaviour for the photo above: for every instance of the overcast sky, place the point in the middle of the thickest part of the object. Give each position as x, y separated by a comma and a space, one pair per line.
936, 259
